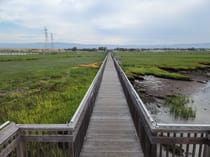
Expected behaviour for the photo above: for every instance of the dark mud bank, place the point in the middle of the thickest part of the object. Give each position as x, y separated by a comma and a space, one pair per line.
154, 90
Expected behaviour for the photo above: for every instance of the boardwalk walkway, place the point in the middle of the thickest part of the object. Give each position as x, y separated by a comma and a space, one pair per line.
111, 132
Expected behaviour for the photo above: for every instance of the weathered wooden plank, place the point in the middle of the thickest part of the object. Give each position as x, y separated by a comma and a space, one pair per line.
111, 146
111, 154
178, 140
8, 132
111, 137
48, 127
109, 124
48, 138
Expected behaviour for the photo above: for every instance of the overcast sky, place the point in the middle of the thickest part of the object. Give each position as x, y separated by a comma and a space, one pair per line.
106, 21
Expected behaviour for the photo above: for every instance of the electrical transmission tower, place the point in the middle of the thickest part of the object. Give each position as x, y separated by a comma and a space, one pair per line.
52, 42
46, 37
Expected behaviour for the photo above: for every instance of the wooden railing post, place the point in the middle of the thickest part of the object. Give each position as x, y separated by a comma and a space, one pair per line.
153, 147
207, 147
20, 148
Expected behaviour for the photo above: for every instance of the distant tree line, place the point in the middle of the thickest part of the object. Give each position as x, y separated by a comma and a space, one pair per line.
101, 49
105, 49
161, 49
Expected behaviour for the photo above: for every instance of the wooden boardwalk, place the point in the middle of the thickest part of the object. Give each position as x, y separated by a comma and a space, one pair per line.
111, 132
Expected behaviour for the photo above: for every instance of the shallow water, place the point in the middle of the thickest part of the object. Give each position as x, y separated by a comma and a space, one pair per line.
201, 103
198, 93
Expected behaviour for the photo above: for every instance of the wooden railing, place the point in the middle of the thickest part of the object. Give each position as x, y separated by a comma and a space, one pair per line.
164, 140
51, 140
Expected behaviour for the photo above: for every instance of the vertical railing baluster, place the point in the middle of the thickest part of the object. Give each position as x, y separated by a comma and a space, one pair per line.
181, 146
200, 146
44, 146
174, 147
194, 146
57, 147
207, 146
187, 146
63, 146
167, 146
160, 151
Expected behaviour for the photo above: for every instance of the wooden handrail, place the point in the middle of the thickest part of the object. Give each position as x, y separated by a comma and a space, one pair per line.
73, 122
141, 105
4, 124
158, 138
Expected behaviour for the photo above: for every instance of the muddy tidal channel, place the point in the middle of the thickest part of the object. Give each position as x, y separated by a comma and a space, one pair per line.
154, 90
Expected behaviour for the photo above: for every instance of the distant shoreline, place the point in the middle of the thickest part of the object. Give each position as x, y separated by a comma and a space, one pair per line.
66, 45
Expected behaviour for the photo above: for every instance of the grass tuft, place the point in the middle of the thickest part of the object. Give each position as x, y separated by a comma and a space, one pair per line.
178, 108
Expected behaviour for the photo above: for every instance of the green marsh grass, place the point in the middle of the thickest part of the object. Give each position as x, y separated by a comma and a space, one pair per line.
44, 88
163, 64
178, 108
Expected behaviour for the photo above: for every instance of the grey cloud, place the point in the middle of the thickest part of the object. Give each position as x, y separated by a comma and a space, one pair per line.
119, 21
